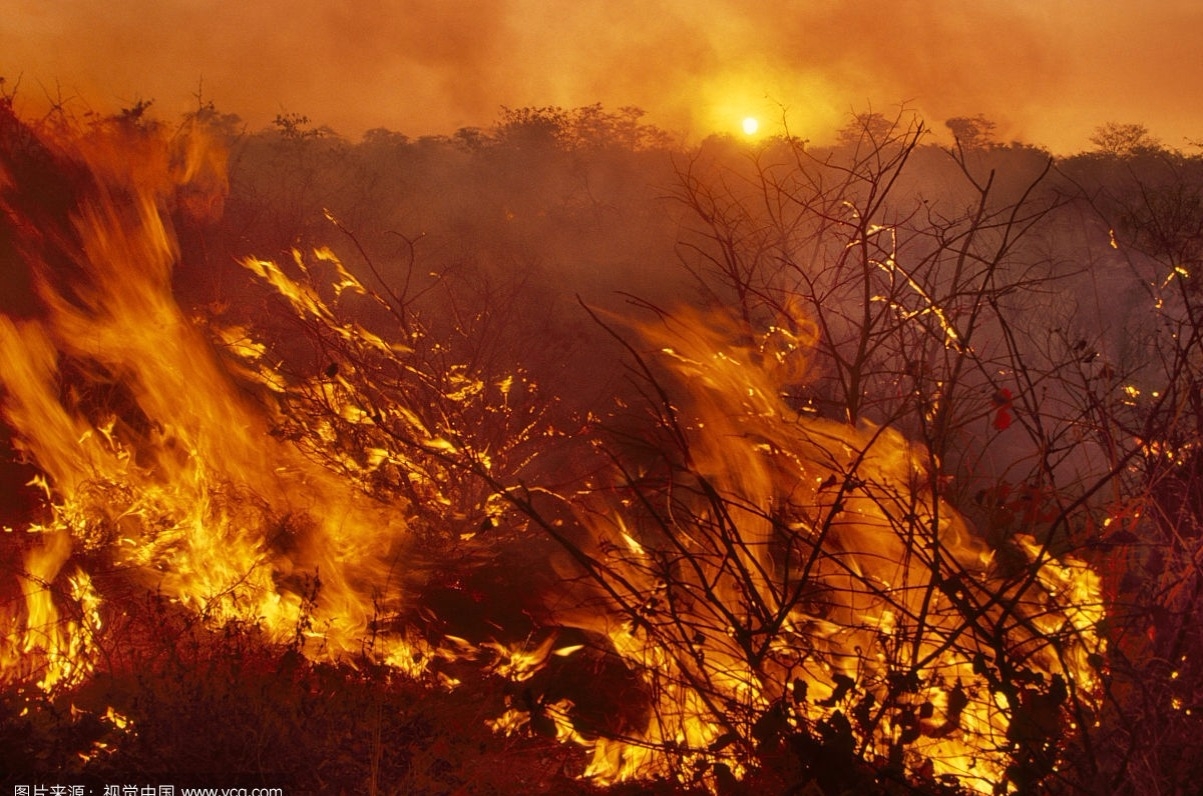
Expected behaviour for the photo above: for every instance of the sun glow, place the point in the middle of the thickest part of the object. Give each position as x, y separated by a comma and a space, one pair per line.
750, 125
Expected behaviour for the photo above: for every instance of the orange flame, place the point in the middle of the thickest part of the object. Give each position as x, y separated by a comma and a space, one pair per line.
802, 568
155, 457
776, 573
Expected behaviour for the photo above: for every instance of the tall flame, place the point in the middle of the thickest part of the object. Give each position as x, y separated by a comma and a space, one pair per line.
159, 464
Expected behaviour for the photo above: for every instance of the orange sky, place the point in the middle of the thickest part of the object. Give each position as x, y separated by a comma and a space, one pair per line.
1047, 72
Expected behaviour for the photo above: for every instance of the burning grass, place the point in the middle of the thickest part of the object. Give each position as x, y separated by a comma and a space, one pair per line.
359, 537
178, 702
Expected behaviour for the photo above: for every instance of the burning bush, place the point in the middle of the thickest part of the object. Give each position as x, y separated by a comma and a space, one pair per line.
735, 565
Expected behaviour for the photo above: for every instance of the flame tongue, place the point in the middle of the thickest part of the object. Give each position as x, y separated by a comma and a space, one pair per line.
154, 456
54, 652
798, 577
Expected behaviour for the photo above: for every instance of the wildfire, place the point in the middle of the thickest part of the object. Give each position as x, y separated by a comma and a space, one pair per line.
157, 462
802, 578
771, 578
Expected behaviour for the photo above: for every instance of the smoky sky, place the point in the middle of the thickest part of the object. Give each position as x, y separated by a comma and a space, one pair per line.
1046, 73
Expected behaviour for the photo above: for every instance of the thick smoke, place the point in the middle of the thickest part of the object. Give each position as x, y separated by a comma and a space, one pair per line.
1047, 75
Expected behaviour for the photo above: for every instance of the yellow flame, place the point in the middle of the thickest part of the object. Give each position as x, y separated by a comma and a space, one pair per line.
829, 540
55, 650
787, 563
177, 478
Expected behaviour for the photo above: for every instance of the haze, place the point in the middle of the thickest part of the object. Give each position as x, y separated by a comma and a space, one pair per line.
1046, 73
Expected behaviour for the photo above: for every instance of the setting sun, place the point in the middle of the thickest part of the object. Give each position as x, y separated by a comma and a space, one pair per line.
750, 125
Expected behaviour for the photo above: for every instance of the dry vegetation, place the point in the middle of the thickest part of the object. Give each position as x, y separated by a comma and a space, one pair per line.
749, 468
